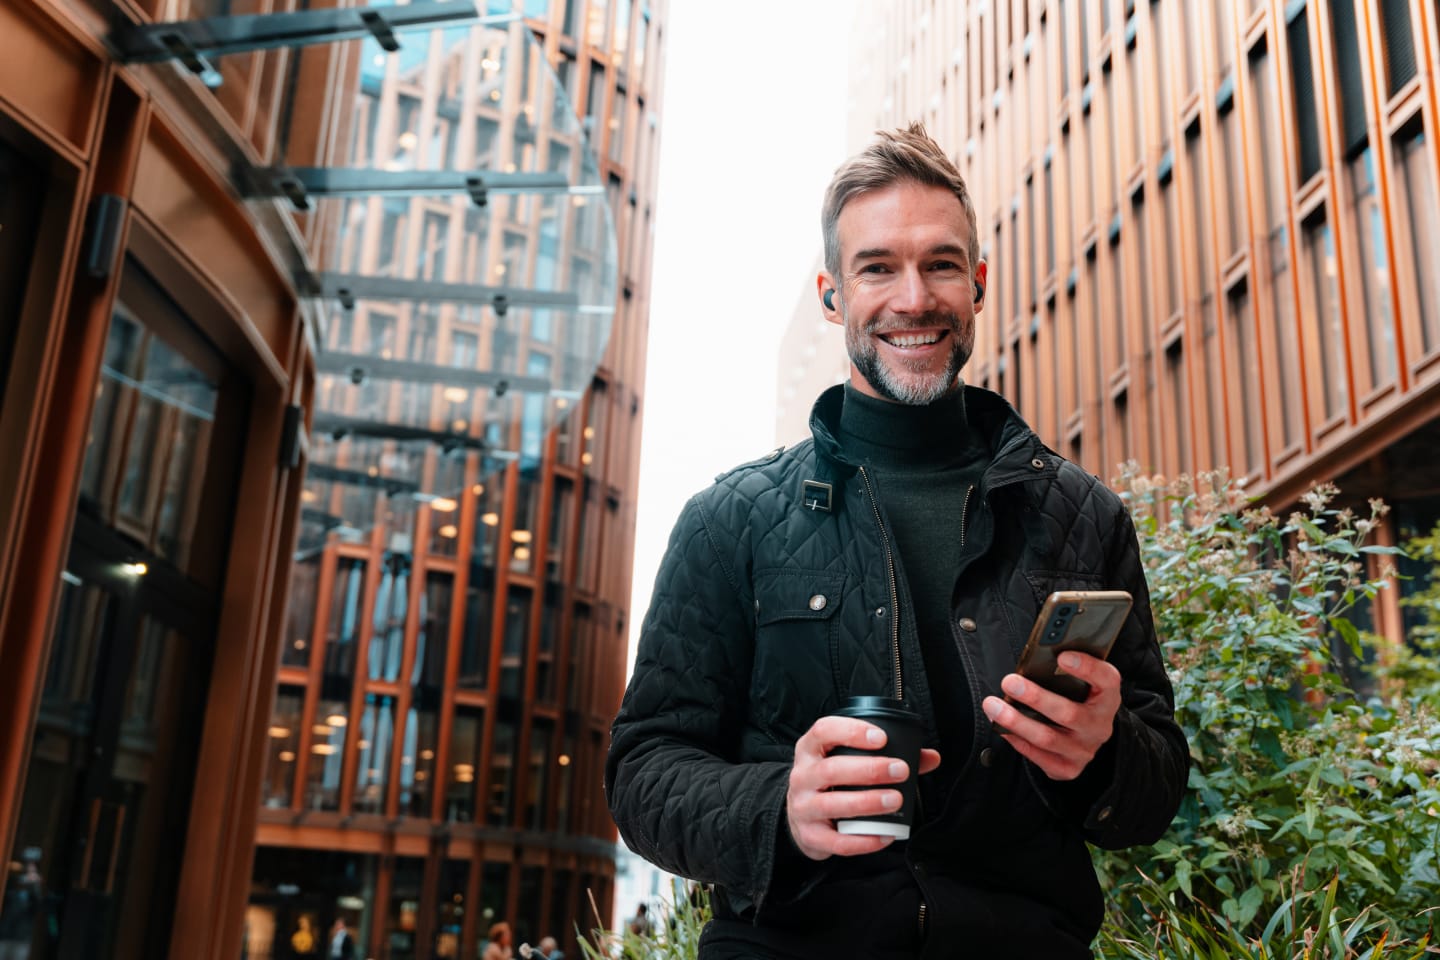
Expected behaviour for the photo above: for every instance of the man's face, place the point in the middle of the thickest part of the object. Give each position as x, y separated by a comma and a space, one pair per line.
906, 291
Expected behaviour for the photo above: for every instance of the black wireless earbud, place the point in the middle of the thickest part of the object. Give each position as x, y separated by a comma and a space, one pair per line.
979, 292
829, 299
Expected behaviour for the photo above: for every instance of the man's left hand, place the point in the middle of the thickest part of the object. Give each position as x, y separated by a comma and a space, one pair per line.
1064, 750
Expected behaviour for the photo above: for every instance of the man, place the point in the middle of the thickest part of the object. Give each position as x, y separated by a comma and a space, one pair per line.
342, 945
903, 550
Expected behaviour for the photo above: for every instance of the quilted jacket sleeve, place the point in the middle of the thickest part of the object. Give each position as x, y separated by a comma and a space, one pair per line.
1132, 789
675, 786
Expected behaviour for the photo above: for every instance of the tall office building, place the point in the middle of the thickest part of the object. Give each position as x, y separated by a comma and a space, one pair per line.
1212, 228
321, 340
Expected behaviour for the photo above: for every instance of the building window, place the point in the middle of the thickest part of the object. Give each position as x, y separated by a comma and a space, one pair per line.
1177, 408
1160, 35
1198, 171
1287, 345
1324, 295
1302, 79
1170, 203
1399, 43
1346, 38
1136, 121
372, 767
1245, 378
1224, 32
1049, 216
466, 740
1141, 247
283, 743
1419, 209
1213, 400
1374, 269
1236, 226
1191, 42
1116, 342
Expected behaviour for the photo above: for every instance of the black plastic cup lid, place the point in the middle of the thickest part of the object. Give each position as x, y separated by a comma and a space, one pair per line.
875, 706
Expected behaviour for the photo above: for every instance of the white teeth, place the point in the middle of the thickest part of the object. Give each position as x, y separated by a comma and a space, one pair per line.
912, 340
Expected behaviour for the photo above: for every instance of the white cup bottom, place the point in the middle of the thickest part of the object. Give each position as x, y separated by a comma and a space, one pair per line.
874, 828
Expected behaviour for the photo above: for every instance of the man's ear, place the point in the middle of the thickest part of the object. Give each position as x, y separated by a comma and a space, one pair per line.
829, 292
979, 281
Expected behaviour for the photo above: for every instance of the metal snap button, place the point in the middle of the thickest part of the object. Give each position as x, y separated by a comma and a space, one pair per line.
817, 602
967, 624
987, 757
879, 611
1104, 814
1038, 464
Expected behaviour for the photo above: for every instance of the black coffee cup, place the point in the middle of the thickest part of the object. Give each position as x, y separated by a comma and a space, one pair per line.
903, 732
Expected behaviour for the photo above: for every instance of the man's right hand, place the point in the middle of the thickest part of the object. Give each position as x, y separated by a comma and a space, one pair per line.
812, 807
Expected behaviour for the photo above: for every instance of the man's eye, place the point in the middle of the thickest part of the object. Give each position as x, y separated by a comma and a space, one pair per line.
945, 265
874, 268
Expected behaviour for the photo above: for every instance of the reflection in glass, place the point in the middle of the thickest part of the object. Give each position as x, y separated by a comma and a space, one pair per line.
372, 766
402, 919
327, 755
300, 614
1325, 301
387, 642
1420, 207
516, 641
1374, 268
417, 760
542, 735
460, 779
346, 599
282, 746
450, 905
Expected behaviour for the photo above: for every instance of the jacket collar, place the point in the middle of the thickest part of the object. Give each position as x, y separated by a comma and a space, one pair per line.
1016, 452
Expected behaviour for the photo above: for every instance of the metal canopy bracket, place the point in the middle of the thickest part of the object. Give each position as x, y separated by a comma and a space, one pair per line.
298, 184
361, 367
191, 41
350, 287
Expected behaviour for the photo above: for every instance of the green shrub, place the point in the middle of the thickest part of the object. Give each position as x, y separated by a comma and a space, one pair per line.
1294, 782
675, 934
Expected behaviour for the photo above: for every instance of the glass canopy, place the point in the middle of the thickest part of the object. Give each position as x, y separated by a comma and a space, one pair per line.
457, 253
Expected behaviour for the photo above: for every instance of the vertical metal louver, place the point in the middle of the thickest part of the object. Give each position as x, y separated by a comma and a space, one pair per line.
1399, 43
1347, 65
1302, 78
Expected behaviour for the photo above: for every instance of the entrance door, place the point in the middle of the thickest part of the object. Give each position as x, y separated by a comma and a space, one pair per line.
112, 765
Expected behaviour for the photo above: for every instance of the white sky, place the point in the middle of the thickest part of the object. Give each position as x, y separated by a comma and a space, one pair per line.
752, 127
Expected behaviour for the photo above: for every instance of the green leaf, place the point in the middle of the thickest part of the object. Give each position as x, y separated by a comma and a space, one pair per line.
1182, 877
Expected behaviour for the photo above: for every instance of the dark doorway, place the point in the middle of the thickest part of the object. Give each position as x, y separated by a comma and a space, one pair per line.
107, 791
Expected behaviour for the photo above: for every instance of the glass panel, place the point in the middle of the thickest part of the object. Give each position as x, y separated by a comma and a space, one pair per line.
150, 436
545, 679
562, 499
21, 193
387, 643
1374, 269
1287, 343
1247, 380
450, 905
327, 755
403, 915
465, 745
1420, 208
494, 893
516, 644
542, 735
417, 761
278, 787
300, 615
298, 896
527, 919
1330, 329
372, 767
343, 636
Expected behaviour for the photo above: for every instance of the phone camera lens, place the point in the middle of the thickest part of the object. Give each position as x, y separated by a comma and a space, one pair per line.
1065, 611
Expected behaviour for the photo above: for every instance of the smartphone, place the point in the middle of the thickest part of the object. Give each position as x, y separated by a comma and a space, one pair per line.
1083, 620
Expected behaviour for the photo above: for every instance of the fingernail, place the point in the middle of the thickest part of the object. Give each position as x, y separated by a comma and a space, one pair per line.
892, 800
1017, 687
1069, 660
992, 707
875, 735
897, 770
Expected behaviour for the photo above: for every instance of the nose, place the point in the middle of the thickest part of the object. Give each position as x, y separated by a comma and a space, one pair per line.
912, 294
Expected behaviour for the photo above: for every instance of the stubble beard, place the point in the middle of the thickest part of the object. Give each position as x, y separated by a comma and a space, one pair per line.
911, 387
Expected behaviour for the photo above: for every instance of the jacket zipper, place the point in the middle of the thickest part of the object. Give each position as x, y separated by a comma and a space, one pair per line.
894, 590
964, 512
923, 906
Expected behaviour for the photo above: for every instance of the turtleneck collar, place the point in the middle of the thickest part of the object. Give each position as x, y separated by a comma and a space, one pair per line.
878, 431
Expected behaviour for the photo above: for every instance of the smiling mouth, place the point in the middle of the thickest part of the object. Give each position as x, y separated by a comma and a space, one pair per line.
921, 338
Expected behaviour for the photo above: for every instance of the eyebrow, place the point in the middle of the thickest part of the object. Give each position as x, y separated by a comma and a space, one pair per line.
879, 253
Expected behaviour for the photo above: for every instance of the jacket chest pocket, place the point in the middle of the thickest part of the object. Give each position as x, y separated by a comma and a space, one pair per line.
796, 646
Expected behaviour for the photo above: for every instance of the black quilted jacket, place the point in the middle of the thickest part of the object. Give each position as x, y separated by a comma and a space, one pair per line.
735, 663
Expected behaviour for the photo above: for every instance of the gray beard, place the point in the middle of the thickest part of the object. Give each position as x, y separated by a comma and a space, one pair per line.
909, 391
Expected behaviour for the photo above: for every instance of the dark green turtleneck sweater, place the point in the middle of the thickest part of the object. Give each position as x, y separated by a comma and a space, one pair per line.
924, 460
